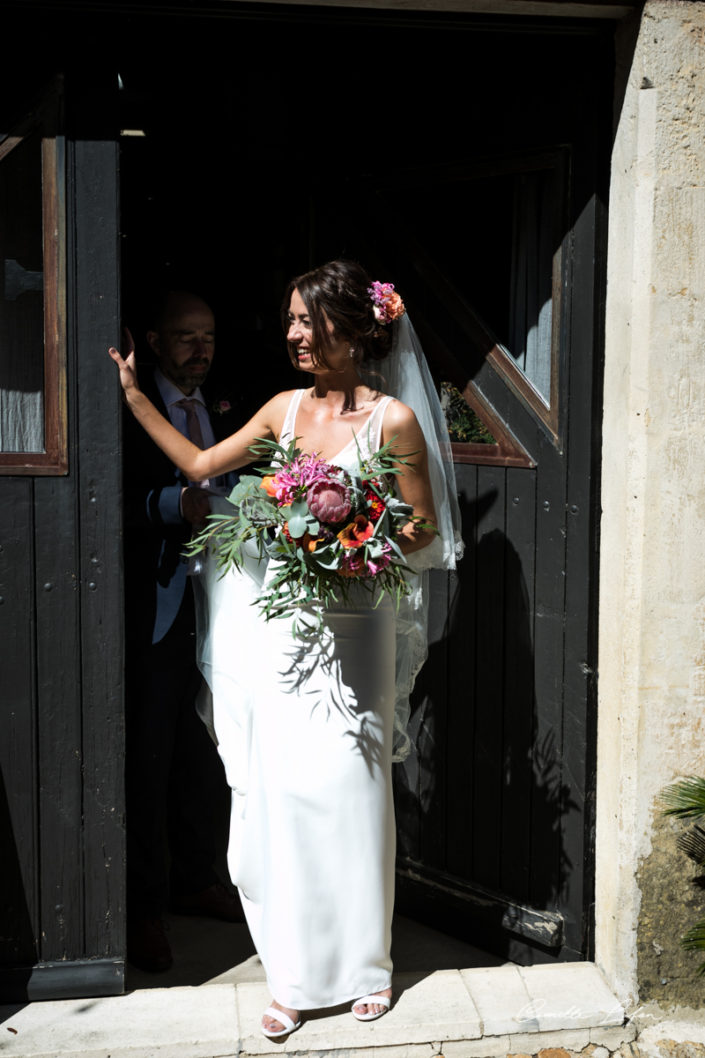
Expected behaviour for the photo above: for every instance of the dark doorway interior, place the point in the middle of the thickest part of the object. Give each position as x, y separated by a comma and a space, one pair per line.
251, 147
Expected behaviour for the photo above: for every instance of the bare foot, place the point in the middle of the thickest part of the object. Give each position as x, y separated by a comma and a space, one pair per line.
373, 1008
272, 1025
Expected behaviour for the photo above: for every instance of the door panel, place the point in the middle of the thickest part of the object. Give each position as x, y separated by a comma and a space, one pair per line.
61, 814
494, 806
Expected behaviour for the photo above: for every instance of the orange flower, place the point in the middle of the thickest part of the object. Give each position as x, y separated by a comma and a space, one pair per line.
394, 306
308, 542
267, 483
356, 532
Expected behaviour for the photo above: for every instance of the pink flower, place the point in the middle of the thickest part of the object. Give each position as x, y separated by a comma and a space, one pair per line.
298, 476
221, 406
352, 565
376, 566
329, 501
388, 305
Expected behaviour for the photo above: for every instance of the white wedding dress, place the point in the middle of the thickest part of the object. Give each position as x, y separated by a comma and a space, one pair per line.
304, 728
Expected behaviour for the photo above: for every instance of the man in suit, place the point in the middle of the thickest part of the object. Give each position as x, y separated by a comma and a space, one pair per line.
175, 786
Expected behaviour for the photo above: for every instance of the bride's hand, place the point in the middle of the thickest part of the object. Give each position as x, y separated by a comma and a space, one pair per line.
126, 366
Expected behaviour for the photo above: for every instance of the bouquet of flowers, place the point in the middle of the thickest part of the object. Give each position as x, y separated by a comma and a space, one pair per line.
324, 527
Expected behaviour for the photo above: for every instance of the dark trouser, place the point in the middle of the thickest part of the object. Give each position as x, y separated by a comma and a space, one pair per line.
176, 791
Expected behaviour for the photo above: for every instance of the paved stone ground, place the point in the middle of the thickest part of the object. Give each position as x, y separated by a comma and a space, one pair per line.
211, 1008
476, 1013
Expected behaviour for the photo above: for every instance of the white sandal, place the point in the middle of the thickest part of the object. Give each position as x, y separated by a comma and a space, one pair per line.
283, 1018
380, 1001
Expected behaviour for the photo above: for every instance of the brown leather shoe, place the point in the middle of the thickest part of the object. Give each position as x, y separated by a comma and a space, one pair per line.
214, 902
147, 946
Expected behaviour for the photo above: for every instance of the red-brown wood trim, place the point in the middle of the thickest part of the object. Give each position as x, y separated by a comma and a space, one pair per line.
9, 144
40, 464
506, 452
55, 405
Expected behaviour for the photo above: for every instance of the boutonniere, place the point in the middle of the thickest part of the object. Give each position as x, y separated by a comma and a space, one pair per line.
221, 407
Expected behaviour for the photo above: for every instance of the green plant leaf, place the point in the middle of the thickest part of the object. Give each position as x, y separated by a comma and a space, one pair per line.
685, 798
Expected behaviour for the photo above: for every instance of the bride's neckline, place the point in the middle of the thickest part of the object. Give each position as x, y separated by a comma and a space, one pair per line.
297, 401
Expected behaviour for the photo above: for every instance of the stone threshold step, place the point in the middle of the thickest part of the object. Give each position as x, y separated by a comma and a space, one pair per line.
474, 1013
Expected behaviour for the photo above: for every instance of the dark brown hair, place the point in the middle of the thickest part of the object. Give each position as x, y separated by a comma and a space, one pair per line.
337, 291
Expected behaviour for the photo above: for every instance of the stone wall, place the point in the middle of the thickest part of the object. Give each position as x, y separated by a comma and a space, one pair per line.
652, 596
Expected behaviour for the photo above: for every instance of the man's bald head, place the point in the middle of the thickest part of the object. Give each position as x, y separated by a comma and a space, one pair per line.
183, 339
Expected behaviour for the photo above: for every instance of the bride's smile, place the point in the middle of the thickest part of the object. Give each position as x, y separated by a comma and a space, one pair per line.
336, 358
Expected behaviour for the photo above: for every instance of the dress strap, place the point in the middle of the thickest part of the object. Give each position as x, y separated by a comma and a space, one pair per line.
288, 426
370, 435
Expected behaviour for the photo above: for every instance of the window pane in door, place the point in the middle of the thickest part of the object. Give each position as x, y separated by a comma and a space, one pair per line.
531, 298
21, 299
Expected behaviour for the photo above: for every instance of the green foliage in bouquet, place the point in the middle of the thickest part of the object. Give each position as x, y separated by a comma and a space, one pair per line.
321, 527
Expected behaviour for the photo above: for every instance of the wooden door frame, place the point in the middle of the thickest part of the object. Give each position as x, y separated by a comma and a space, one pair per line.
62, 560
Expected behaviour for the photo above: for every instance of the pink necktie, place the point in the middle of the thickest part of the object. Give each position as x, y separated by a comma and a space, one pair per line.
193, 427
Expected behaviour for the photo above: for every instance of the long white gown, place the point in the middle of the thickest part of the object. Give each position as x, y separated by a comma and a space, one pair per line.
305, 732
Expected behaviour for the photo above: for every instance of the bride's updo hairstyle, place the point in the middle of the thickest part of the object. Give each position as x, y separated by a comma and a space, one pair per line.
339, 292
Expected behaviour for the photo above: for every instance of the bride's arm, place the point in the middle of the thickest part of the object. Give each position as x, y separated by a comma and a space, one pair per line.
414, 485
198, 464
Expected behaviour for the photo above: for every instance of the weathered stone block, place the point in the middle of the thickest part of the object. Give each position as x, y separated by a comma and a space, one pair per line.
670, 904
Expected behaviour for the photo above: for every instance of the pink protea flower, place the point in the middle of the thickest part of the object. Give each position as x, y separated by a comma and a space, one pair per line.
329, 501
297, 476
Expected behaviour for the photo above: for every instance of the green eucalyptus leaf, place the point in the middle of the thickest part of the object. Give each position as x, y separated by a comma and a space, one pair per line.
297, 525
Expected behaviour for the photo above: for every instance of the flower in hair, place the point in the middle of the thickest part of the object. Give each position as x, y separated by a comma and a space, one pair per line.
388, 305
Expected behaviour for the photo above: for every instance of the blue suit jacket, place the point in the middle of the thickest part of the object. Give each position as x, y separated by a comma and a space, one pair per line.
155, 532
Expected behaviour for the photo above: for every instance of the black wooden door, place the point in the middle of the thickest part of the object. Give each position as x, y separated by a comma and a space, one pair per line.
61, 881
496, 244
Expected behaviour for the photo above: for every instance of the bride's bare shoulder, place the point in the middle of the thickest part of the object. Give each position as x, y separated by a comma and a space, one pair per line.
271, 415
277, 404
282, 398
398, 416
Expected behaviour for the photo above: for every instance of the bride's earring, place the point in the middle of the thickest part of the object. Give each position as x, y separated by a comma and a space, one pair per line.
352, 351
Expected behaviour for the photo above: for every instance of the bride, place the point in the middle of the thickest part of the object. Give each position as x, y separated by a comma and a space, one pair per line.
306, 727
